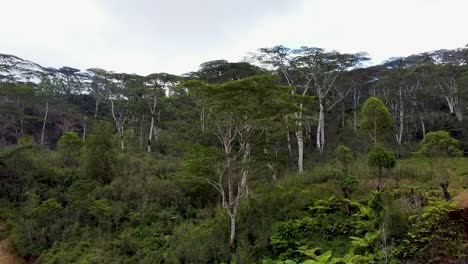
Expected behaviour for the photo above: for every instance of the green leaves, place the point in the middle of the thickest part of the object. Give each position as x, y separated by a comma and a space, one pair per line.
379, 156
439, 144
375, 117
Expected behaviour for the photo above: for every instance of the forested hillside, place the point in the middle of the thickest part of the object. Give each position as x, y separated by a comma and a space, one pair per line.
295, 155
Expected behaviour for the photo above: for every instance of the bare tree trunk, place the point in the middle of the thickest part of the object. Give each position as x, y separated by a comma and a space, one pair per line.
356, 98
84, 128
141, 133
232, 236
150, 136
321, 129
447, 195
379, 179
450, 90
120, 124
122, 146
273, 171
202, 119
44, 123
300, 148
288, 138
96, 108
343, 116
423, 126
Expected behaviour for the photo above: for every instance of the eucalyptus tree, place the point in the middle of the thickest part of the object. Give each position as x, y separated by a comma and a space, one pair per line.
47, 90
280, 59
238, 114
447, 67
219, 71
150, 91
97, 88
399, 88
122, 101
320, 70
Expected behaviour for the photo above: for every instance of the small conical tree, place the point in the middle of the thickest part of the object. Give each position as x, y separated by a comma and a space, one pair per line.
347, 181
375, 118
379, 157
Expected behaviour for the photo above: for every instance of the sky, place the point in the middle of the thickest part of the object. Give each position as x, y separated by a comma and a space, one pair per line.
176, 36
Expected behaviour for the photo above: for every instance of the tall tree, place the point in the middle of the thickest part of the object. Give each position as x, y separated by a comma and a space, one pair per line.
375, 118
280, 59
150, 92
47, 90
122, 100
320, 70
239, 112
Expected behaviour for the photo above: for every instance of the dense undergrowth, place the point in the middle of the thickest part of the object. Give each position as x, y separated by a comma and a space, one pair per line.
150, 212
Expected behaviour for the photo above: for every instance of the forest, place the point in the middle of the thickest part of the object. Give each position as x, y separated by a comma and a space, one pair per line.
294, 155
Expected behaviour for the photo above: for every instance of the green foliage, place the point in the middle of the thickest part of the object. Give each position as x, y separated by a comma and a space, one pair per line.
343, 155
375, 118
380, 157
439, 144
161, 207
99, 155
69, 146
435, 235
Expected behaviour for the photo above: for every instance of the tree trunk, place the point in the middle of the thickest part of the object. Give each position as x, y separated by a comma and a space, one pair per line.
401, 120
447, 195
300, 149
84, 128
141, 133
273, 171
343, 120
355, 120
379, 179
423, 126
44, 123
232, 236
321, 129
150, 136
347, 196
96, 108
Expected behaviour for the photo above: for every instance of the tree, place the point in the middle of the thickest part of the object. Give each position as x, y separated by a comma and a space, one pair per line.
439, 146
380, 158
347, 181
239, 112
99, 81
47, 89
98, 154
375, 118
280, 59
69, 146
14, 98
122, 99
320, 70
150, 93
219, 71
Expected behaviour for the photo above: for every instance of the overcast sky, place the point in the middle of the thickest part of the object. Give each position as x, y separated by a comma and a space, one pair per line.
175, 36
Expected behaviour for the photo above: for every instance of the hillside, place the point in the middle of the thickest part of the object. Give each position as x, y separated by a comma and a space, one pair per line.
298, 156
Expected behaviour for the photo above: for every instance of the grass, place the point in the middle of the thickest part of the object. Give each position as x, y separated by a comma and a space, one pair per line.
320, 182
